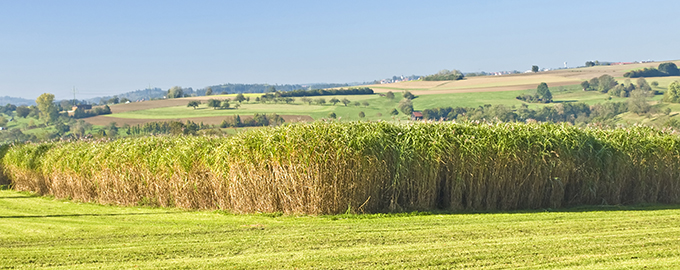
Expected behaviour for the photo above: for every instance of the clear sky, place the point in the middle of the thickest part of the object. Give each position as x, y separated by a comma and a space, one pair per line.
108, 47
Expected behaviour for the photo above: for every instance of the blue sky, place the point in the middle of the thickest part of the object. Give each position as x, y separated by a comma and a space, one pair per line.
109, 47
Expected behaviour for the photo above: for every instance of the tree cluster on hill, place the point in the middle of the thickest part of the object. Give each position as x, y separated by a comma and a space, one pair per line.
287, 97
602, 83
216, 104
563, 112
167, 127
542, 95
664, 69
673, 93
405, 106
269, 98
445, 75
607, 84
326, 92
258, 120
626, 89
8, 109
82, 113
597, 63
143, 94
263, 88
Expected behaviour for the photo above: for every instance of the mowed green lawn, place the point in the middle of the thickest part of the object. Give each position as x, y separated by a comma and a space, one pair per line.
38, 232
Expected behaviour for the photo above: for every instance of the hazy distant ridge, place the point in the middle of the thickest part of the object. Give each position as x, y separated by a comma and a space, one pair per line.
229, 88
16, 101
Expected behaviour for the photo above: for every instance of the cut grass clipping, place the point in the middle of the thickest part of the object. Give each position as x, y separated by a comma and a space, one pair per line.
327, 168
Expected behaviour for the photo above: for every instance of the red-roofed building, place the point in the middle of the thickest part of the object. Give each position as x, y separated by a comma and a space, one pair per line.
416, 116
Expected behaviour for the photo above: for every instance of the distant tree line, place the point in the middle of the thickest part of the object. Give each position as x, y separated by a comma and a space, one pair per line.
258, 120
444, 75
597, 63
176, 91
263, 88
143, 94
82, 113
168, 127
326, 92
607, 84
664, 69
563, 112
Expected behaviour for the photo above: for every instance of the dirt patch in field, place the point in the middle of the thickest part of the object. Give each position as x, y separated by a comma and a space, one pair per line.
486, 89
512, 82
102, 120
152, 104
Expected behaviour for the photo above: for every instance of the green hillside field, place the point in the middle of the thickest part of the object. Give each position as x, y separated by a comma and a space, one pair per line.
470, 92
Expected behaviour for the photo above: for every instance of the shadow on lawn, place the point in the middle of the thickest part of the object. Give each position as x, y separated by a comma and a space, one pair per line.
564, 101
17, 197
87, 215
575, 209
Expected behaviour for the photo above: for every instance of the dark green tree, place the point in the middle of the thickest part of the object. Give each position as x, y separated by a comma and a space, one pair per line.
406, 106
643, 85
239, 98
191, 128
534, 68
194, 104
61, 128
669, 68
673, 93
208, 91
638, 102
48, 110
334, 101
175, 92
23, 111
225, 104
346, 101
389, 95
606, 82
214, 103
544, 92
362, 114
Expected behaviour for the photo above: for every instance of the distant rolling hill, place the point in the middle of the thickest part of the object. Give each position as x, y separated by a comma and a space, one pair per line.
514, 82
16, 101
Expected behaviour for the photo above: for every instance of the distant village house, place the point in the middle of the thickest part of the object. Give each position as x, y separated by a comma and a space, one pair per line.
416, 116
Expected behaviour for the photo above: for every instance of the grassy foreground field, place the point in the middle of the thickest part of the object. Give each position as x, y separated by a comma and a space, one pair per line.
38, 232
